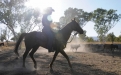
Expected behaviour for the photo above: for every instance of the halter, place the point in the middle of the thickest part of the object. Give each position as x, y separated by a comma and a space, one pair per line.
73, 37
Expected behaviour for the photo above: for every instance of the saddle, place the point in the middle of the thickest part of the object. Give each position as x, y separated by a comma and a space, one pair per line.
57, 39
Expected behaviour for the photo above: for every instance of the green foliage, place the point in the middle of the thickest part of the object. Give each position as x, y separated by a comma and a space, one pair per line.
90, 39
118, 39
10, 10
29, 20
111, 37
3, 34
13, 13
104, 20
81, 17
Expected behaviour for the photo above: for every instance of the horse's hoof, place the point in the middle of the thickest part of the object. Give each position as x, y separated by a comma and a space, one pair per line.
113, 56
51, 70
72, 70
17, 58
50, 66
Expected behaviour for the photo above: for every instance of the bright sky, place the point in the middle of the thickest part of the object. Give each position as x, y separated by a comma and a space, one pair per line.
87, 5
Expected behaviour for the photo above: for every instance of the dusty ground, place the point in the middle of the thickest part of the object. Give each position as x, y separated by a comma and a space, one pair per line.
83, 63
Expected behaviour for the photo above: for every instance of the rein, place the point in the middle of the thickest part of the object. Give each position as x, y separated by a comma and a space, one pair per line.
72, 37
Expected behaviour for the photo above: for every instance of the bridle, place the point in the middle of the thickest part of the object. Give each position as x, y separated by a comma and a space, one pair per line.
73, 36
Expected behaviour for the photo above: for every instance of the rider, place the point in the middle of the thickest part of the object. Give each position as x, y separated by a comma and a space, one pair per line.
46, 21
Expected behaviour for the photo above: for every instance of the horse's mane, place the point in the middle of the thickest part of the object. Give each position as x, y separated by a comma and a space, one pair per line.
64, 26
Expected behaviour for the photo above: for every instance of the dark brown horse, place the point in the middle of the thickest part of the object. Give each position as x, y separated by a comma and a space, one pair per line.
35, 39
107, 46
111, 47
1, 44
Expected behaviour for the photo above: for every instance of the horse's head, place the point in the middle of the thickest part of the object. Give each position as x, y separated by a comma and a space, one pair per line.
76, 27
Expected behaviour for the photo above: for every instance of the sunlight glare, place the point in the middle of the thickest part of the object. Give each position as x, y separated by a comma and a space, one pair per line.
41, 4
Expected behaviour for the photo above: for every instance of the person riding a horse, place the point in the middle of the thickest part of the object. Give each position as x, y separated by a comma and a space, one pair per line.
46, 21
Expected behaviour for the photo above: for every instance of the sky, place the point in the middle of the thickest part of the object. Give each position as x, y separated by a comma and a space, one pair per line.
87, 5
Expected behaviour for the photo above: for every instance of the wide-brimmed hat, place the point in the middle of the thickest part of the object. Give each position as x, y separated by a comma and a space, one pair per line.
48, 9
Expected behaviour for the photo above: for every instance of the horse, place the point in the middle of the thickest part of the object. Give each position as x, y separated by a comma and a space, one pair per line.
119, 46
115, 46
108, 46
111, 46
75, 47
1, 44
35, 39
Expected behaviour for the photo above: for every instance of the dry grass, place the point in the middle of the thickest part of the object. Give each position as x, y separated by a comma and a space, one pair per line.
11, 45
82, 63
100, 42
7, 48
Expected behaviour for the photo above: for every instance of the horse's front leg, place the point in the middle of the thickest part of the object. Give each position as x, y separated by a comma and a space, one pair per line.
54, 57
66, 56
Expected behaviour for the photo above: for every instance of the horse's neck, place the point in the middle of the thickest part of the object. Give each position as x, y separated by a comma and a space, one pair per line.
66, 32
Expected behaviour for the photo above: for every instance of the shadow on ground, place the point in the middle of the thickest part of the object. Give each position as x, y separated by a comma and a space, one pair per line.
10, 66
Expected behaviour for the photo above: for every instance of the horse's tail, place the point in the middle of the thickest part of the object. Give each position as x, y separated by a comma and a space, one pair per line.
18, 42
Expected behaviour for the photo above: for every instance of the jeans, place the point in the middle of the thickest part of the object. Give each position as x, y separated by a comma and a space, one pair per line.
50, 37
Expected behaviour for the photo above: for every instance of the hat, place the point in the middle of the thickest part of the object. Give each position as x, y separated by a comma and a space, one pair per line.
49, 9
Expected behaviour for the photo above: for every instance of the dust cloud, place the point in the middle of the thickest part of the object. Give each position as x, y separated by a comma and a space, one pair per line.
75, 42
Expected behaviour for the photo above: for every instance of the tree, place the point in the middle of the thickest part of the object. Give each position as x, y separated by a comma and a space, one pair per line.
17, 35
29, 20
90, 39
118, 39
3, 35
81, 17
14, 14
9, 13
111, 37
104, 20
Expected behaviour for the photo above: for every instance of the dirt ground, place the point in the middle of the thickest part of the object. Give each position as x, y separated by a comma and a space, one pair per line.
83, 63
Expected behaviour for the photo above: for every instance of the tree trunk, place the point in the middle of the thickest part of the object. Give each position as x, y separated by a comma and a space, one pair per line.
13, 32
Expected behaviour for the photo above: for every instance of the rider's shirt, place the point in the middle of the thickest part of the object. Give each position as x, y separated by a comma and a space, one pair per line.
49, 18
46, 20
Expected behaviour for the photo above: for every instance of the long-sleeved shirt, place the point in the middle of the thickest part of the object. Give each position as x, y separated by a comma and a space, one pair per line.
46, 20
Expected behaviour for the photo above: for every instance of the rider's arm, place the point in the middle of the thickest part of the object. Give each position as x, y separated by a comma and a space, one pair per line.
46, 21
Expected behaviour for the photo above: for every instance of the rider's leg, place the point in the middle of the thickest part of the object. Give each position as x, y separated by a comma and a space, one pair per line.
50, 36
50, 41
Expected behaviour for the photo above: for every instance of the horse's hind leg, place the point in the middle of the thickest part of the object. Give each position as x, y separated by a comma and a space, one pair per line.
66, 56
112, 51
25, 54
31, 55
54, 57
